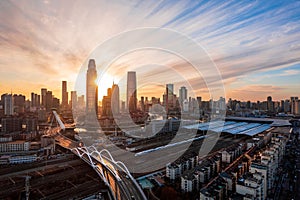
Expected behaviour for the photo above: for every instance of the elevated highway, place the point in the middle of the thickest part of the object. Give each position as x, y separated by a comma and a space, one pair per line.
114, 173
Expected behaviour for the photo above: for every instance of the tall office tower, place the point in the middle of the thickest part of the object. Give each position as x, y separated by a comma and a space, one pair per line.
182, 94
64, 95
55, 103
32, 100
270, 104
73, 99
142, 104
48, 101
293, 102
7, 100
43, 96
36, 100
282, 106
123, 103
19, 103
131, 91
287, 106
169, 99
91, 91
80, 102
106, 104
115, 99
170, 89
297, 107
222, 104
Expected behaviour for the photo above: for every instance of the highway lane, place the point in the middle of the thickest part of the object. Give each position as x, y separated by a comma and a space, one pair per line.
126, 188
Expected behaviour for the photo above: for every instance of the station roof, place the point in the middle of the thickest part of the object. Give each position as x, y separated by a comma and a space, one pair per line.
240, 125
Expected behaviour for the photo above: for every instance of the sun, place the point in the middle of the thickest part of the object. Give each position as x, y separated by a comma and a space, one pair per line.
104, 82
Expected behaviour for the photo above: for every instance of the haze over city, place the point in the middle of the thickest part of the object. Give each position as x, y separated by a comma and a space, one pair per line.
254, 44
148, 100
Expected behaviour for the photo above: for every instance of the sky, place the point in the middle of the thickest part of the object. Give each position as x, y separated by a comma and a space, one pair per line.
253, 44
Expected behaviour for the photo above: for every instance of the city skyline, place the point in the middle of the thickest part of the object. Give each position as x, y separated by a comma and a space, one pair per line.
254, 56
177, 91
167, 99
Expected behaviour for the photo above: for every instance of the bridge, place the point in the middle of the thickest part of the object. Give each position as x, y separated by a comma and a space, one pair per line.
115, 174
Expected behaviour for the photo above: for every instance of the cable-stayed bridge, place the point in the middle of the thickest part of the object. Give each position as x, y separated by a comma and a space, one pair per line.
115, 174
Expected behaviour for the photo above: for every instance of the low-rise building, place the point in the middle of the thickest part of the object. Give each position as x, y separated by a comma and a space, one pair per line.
19, 145
22, 159
176, 169
230, 154
190, 181
251, 185
173, 170
216, 190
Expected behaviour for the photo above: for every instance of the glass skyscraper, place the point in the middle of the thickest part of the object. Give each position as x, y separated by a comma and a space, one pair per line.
131, 91
91, 91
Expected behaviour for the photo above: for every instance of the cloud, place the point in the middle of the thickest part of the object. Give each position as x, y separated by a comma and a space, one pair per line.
51, 40
256, 92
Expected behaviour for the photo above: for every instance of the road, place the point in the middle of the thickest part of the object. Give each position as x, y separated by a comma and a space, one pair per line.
122, 186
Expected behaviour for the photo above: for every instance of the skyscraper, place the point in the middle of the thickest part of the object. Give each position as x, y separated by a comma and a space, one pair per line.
80, 102
115, 99
91, 91
64, 95
49, 101
170, 89
270, 104
19, 103
43, 96
7, 100
32, 100
182, 94
38, 100
106, 104
169, 98
131, 91
73, 99
294, 101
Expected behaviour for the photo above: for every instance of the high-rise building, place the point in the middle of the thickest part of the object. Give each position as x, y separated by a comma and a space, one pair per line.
169, 98
170, 89
111, 102
49, 101
115, 99
107, 104
19, 103
270, 104
55, 103
199, 100
297, 107
131, 91
182, 94
43, 96
35, 100
123, 107
7, 100
91, 91
73, 99
64, 95
80, 102
293, 101
142, 104
32, 99
38, 100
